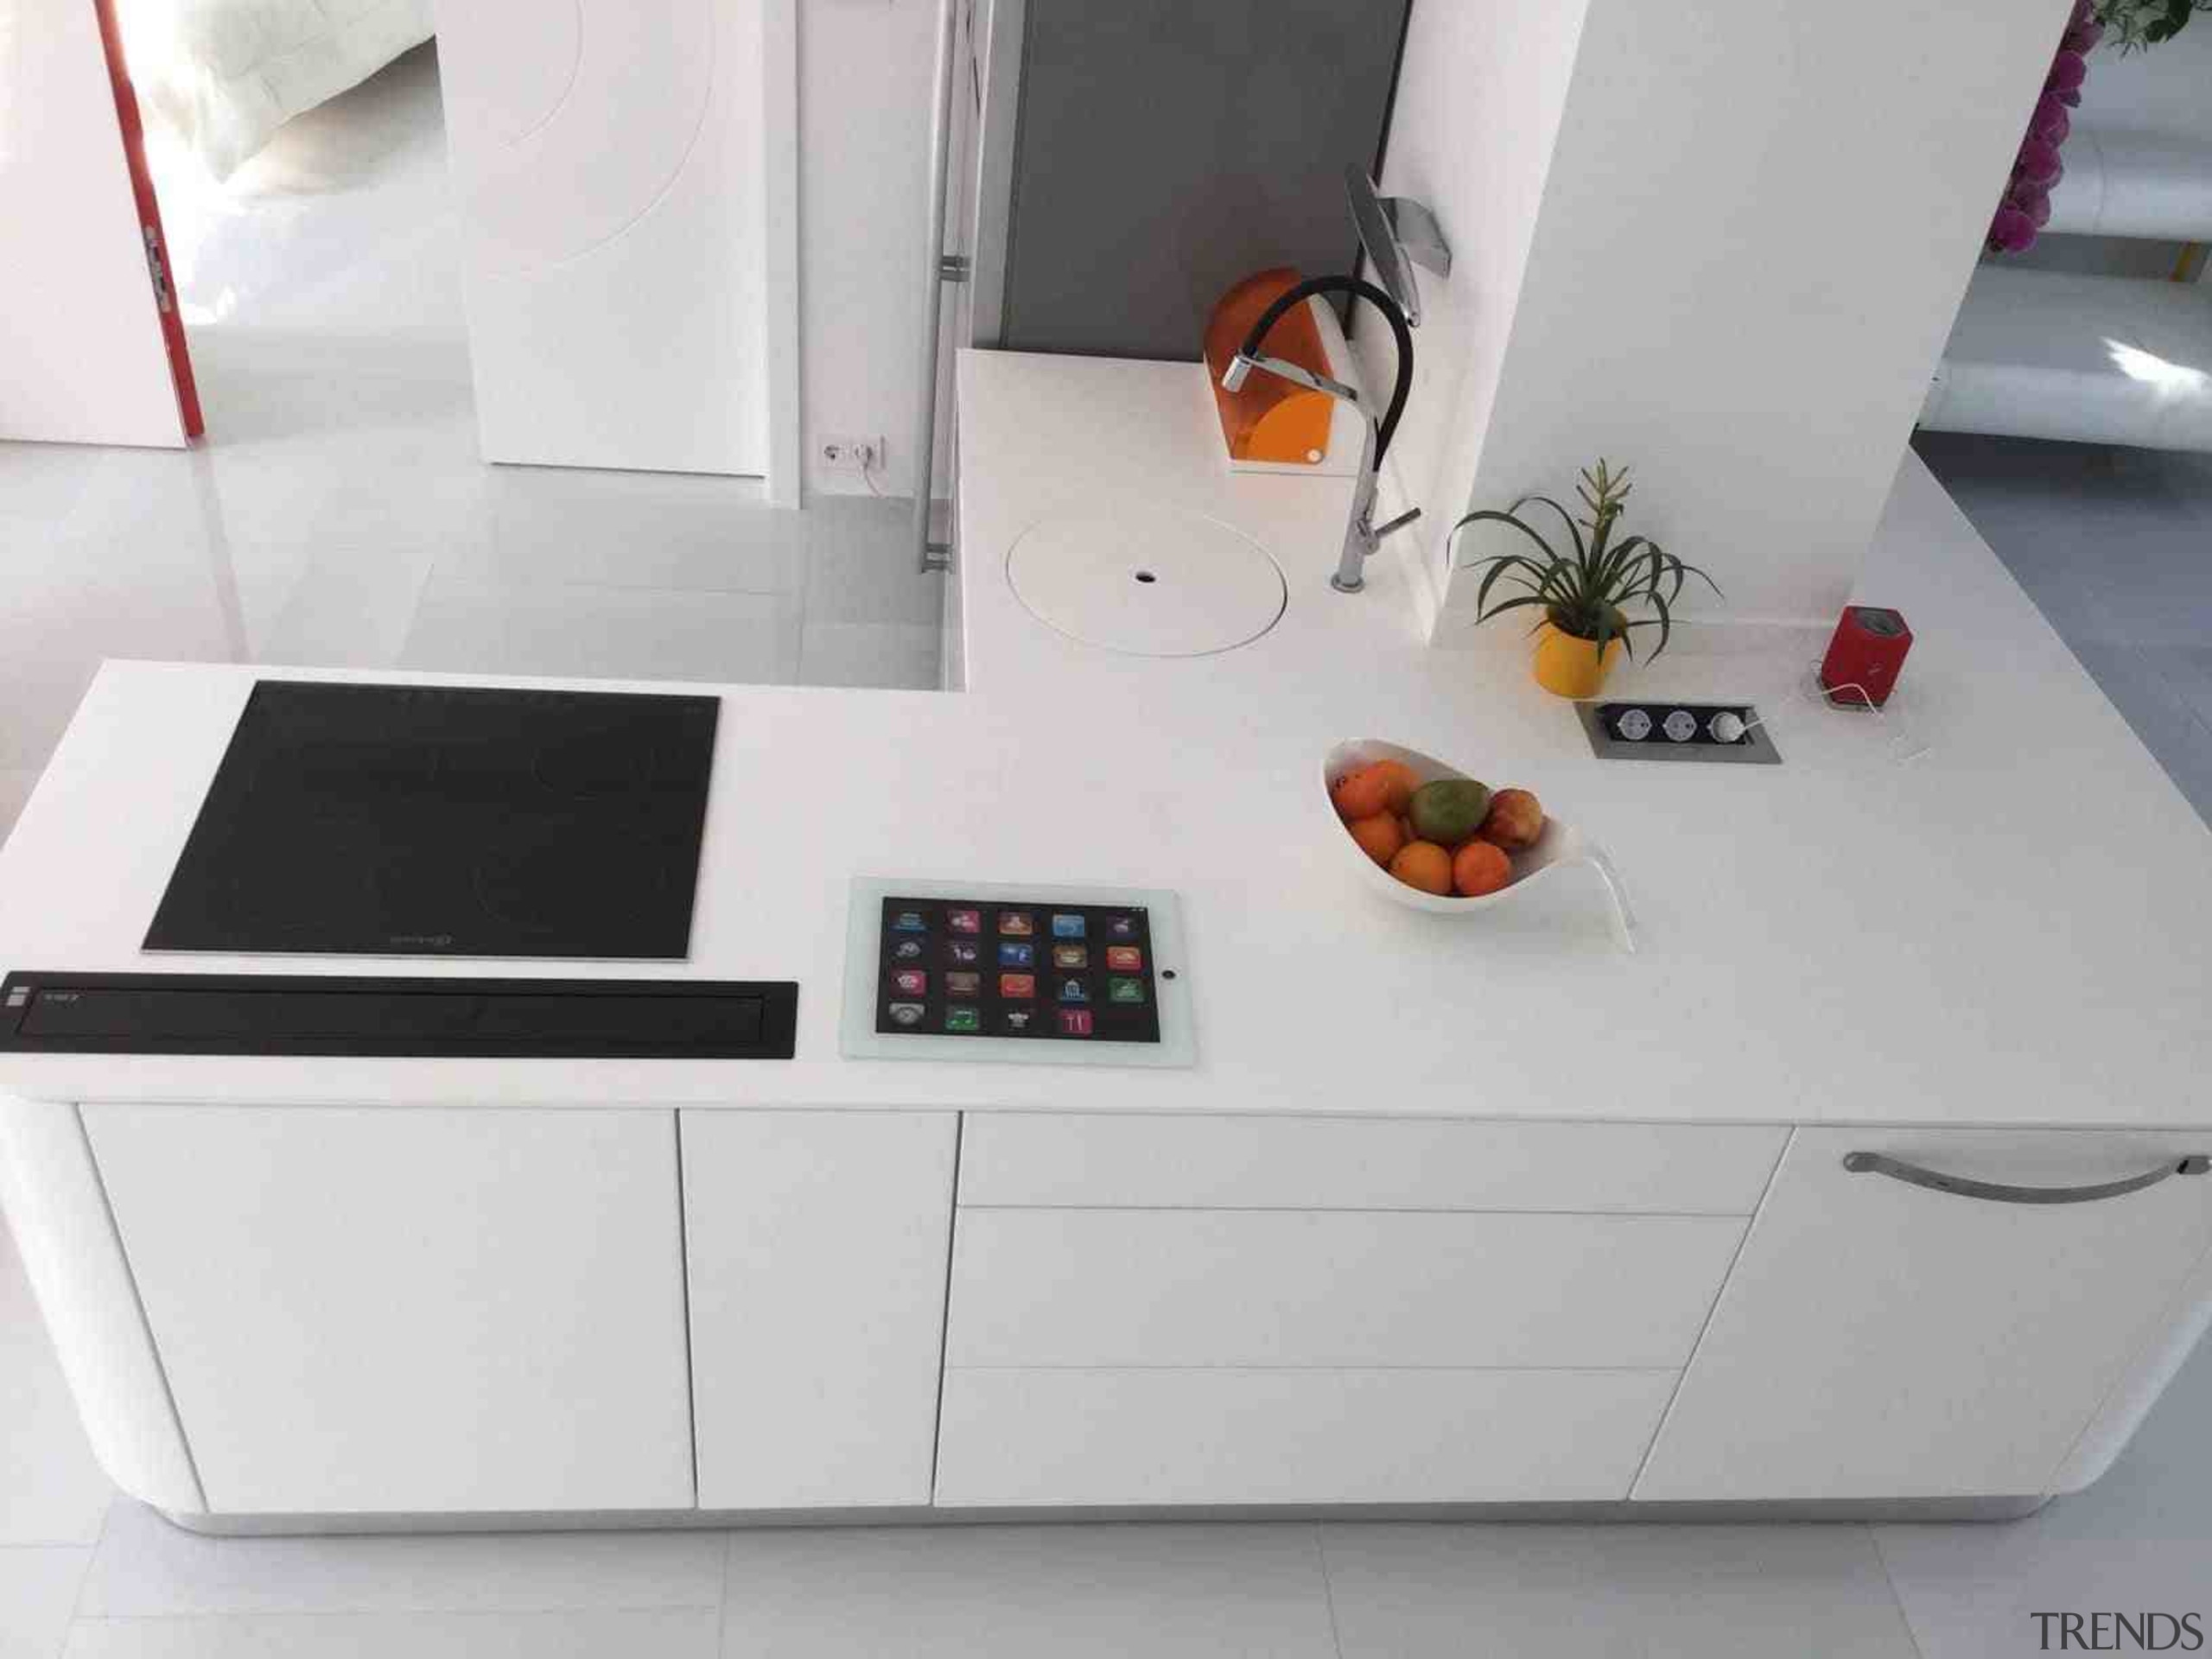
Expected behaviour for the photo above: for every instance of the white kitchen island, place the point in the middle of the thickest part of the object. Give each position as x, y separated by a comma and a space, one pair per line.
1450, 1212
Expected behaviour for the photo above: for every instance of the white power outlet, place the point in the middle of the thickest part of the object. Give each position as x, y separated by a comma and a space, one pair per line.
843, 452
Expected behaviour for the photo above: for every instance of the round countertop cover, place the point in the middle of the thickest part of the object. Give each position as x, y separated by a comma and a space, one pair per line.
1147, 582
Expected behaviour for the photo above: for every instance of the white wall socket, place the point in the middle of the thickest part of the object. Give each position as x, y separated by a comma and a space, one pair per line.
843, 452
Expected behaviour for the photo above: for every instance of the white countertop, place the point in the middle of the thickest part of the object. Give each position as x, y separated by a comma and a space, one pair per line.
2011, 929
1042, 436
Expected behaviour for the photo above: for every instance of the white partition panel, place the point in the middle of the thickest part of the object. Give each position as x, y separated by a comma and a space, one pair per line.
611, 161
1721, 249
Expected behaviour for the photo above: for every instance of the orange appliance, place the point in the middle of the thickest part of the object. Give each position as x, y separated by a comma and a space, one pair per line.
1269, 420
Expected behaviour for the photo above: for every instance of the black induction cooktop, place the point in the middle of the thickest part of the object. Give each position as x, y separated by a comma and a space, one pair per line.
403, 820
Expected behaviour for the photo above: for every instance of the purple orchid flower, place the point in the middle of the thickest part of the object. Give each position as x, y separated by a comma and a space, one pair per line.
2025, 207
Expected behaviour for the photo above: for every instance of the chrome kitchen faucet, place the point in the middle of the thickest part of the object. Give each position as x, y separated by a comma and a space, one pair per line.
1379, 223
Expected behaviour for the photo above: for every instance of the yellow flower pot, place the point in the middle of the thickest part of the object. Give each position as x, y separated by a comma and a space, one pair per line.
1571, 667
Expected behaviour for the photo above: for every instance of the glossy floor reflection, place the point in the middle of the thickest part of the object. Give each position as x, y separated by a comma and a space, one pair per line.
2115, 548
337, 514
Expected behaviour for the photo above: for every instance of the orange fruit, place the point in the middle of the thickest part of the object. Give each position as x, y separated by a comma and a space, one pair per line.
1479, 868
1398, 784
1360, 793
1379, 837
1425, 865
1516, 818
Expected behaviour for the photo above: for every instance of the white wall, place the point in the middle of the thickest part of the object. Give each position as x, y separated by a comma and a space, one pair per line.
1752, 235
864, 121
2166, 89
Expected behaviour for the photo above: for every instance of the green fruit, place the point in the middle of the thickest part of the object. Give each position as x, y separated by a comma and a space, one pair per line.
1449, 810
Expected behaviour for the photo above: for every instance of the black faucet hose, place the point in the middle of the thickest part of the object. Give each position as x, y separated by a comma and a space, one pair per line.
1391, 315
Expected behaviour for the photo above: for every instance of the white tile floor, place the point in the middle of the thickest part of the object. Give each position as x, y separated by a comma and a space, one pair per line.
2115, 547
89, 1574
337, 513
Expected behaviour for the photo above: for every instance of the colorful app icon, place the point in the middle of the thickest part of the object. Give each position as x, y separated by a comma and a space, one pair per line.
1118, 989
962, 951
1124, 958
963, 1019
965, 921
963, 984
1074, 990
1019, 1022
1014, 954
912, 982
906, 950
1070, 956
1122, 927
909, 921
1017, 984
1066, 927
907, 1014
1016, 924
1075, 1022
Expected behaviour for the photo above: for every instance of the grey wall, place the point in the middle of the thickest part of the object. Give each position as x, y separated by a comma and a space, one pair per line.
1168, 148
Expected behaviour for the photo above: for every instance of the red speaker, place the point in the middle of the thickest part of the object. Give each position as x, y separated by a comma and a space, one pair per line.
1863, 660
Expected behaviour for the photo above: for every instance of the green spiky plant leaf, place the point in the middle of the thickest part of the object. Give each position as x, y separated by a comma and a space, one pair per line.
2136, 25
1586, 587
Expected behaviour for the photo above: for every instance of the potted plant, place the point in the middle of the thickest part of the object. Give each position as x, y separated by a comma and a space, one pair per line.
2136, 24
1585, 595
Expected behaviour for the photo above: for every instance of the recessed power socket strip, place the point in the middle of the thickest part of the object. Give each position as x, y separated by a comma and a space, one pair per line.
1658, 729
840, 452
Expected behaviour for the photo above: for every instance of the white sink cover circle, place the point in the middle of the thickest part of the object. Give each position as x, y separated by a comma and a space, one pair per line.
1146, 581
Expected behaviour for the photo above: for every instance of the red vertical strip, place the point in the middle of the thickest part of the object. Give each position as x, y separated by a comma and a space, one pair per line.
150, 220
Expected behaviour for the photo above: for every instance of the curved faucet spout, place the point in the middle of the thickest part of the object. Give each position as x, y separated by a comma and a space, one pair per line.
1362, 536
1248, 357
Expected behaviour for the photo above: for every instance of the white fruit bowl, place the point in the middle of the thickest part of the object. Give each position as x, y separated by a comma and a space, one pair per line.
1560, 845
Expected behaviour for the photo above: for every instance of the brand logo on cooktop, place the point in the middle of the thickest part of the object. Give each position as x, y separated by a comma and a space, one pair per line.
435, 941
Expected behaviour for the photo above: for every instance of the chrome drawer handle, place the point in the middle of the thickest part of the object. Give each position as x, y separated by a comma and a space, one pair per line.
1877, 1163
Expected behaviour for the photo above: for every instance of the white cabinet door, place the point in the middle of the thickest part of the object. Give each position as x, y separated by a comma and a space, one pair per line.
391, 1309
816, 1248
610, 157
1881, 1339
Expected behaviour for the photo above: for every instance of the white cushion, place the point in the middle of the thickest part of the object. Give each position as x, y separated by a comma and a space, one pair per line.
227, 74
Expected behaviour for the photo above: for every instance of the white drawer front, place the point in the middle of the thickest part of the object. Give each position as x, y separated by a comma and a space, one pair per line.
1211, 1287
1106, 1437
1322, 1163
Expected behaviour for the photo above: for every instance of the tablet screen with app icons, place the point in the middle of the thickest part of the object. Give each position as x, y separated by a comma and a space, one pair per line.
1022, 969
